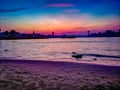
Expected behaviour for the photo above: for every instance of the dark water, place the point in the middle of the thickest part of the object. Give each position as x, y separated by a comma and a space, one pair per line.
61, 49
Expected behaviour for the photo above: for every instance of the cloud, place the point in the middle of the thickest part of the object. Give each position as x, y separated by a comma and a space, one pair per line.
71, 11
12, 10
49, 5
60, 5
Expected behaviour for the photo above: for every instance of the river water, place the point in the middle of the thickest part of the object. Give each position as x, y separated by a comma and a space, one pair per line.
56, 49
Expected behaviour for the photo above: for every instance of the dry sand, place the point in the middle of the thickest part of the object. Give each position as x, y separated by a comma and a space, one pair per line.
48, 75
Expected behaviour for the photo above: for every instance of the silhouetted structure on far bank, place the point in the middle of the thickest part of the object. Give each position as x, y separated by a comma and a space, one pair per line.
107, 33
16, 35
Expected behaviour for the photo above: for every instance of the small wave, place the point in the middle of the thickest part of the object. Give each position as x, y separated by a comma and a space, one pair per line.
99, 55
112, 50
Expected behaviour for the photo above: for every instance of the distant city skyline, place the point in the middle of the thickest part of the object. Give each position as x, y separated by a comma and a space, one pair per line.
17, 35
66, 16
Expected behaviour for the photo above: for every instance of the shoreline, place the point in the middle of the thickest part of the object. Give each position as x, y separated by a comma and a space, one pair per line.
98, 61
48, 61
55, 75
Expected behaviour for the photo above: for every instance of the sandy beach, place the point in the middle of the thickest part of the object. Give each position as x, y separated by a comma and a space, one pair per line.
51, 75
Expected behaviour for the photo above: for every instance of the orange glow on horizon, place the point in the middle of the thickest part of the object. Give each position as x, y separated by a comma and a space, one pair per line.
63, 23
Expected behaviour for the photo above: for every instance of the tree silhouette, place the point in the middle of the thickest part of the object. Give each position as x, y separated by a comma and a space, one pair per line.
6, 33
12, 32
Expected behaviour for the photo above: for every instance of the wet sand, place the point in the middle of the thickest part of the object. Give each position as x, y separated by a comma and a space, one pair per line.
51, 75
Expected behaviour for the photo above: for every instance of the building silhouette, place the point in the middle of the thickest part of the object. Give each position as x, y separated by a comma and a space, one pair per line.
88, 33
53, 34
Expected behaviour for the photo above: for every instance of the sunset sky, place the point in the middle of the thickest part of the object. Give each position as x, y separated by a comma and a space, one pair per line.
60, 16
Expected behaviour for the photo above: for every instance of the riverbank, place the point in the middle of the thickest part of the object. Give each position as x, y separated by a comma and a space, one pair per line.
51, 75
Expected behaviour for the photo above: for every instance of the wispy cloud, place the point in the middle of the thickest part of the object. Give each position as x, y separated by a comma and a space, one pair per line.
60, 5
12, 10
71, 11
